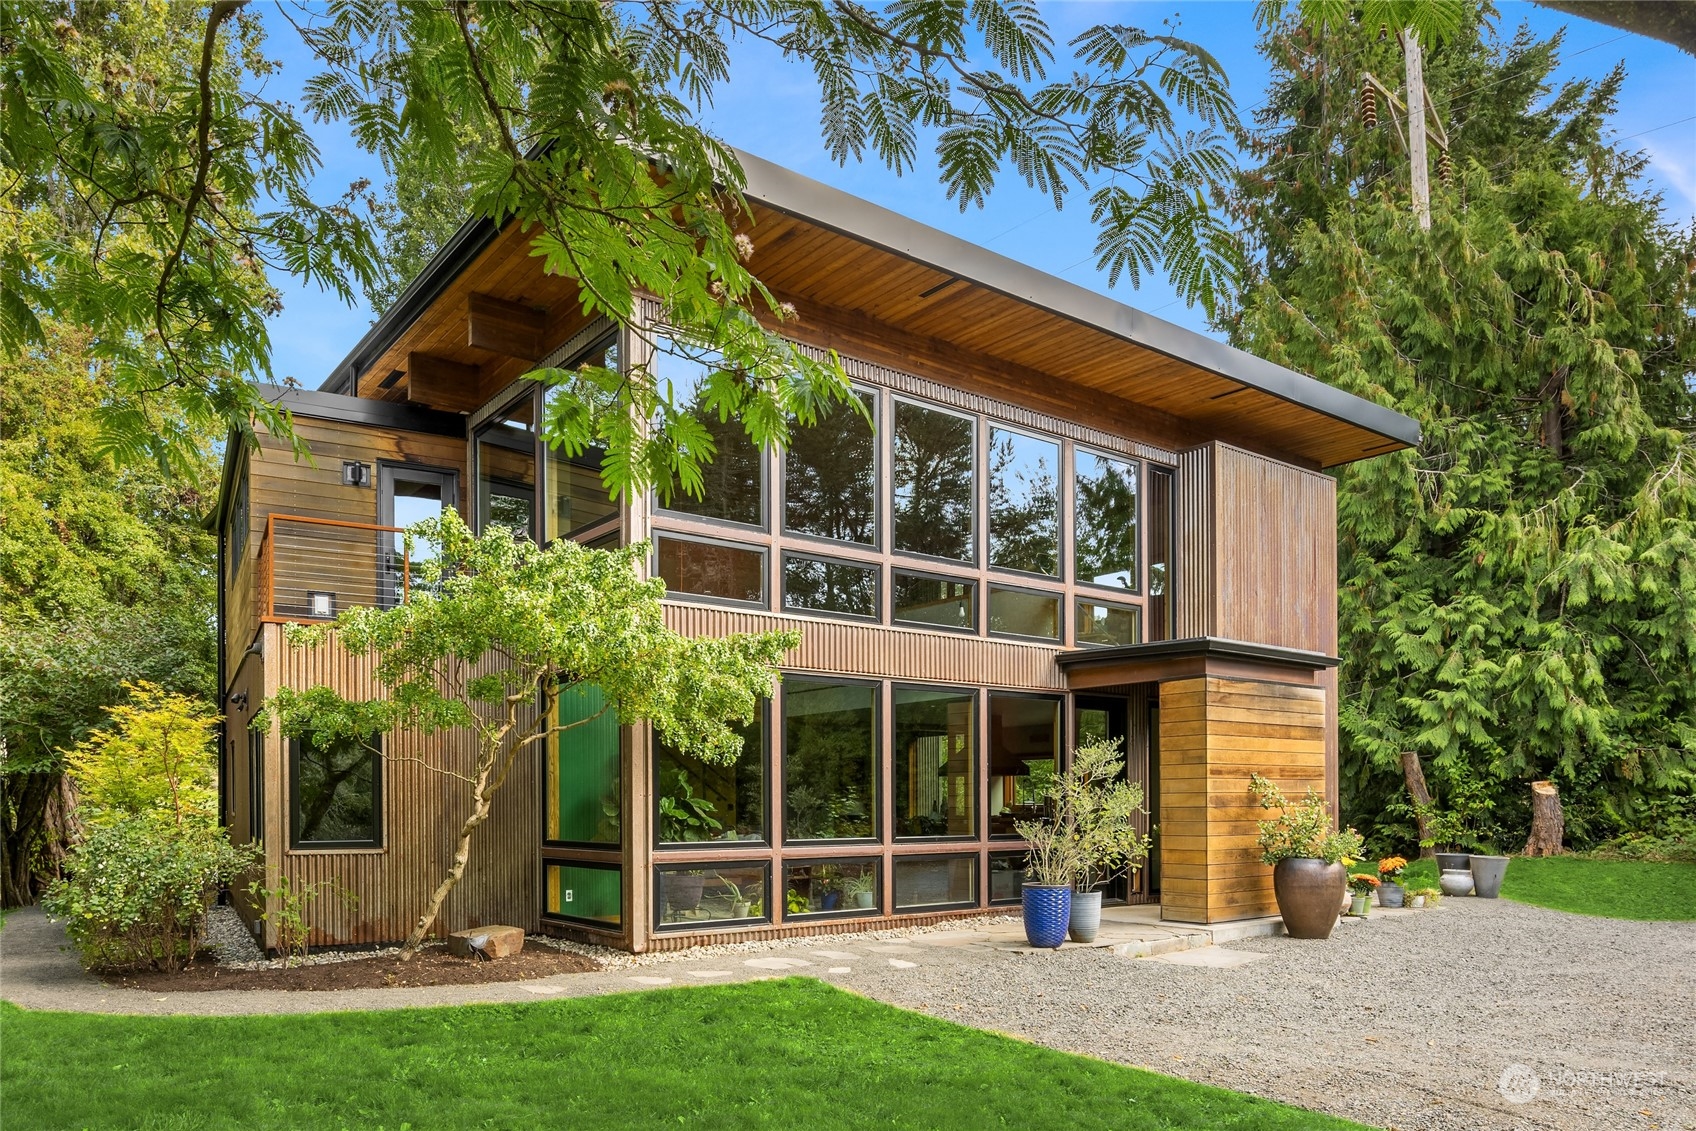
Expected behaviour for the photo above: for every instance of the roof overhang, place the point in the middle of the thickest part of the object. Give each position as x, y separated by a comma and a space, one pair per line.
1164, 660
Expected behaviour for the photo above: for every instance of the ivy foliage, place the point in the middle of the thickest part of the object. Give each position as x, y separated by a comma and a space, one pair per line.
1518, 595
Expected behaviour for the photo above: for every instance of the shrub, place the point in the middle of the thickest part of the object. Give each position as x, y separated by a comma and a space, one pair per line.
154, 757
1302, 829
138, 890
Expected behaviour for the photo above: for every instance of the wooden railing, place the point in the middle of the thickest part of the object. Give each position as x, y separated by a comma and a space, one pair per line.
313, 568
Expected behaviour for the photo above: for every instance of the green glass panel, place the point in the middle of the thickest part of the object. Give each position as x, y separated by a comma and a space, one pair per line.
586, 891
583, 801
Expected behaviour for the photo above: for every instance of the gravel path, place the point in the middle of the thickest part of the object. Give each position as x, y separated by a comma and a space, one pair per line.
1405, 1022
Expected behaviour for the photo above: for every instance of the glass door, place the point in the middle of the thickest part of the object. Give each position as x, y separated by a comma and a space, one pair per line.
1097, 718
405, 495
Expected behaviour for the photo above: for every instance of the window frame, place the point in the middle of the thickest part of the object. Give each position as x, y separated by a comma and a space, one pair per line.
974, 900
672, 847
1058, 596
1138, 565
475, 433
766, 864
1089, 598
1061, 519
975, 581
784, 553
979, 762
1063, 701
379, 803
875, 861
976, 560
584, 922
781, 748
763, 509
880, 507
764, 550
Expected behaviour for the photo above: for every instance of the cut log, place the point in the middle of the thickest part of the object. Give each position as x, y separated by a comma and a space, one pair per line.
1416, 789
1548, 820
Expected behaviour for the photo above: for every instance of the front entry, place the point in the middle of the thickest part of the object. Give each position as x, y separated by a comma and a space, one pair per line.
1100, 717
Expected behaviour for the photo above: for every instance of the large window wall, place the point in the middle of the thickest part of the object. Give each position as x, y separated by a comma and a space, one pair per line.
900, 511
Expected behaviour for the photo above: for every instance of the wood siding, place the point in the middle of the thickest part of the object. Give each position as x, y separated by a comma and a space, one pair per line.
1214, 733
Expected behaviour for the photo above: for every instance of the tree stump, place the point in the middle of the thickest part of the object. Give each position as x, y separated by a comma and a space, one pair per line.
1548, 820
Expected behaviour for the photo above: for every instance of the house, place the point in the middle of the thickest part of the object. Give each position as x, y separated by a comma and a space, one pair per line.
1071, 519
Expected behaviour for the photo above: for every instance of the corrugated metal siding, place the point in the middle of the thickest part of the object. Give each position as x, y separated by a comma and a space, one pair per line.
1195, 607
879, 652
422, 812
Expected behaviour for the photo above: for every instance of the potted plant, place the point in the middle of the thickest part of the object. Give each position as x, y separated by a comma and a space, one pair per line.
741, 902
1093, 807
1309, 859
1390, 893
1361, 887
684, 816
861, 890
1419, 898
1488, 871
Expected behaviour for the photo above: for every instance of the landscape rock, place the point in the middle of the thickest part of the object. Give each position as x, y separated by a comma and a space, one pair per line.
493, 941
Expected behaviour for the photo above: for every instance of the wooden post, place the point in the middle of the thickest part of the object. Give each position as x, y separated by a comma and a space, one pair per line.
1421, 795
1416, 128
1548, 820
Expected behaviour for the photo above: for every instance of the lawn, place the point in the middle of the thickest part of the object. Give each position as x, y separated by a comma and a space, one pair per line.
1613, 889
792, 1054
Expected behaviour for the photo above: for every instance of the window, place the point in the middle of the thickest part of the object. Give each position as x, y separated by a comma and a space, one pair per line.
830, 887
706, 895
935, 752
591, 893
935, 881
582, 790
830, 760
703, 802
1108, 625
1104, 534
935, 602
1018, 612
830, 476
820, 585
407, 495
1024, 503
1024, 738
576, 499
336, 794
935, 502
734, 470
712, 569
506, 470
1007, 876
241, 522
255, 785
1159, 553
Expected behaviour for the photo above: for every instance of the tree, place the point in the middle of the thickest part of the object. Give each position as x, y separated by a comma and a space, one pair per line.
495, 633
106, 576
152, 124
1517, 598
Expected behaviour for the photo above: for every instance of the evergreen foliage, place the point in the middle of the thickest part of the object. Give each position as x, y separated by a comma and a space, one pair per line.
1518, 595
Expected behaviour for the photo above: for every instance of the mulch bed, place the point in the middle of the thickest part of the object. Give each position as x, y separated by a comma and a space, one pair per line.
433, 967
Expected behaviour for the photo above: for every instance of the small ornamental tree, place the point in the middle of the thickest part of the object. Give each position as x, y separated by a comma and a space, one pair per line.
152, 760
495, 631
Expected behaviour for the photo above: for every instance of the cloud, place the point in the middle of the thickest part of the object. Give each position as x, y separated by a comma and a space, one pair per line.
1674, 168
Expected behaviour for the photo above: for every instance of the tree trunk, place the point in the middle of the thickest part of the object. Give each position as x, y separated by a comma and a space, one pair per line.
1548, 820
481, 796
1416, 789
38, 825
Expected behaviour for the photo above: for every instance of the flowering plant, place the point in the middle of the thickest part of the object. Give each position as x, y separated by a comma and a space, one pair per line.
1362, 884
1391, 868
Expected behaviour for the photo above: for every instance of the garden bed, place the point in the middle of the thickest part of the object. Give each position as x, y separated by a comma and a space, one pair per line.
433, 967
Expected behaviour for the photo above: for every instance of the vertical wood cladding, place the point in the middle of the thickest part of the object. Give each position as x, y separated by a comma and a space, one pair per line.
1214, 733
422, 810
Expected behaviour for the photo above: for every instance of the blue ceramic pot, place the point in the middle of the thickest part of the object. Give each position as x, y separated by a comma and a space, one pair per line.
1048, 914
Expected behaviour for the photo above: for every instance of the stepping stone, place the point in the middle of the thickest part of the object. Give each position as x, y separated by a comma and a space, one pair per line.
709, 973
953, 938
776, 963
647, 981
902, 964
543, 990
841, 969
1213, 957
893, 948
835, 954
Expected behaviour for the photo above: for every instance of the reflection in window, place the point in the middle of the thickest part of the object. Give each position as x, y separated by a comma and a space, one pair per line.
1024, 503
814, 584
337, 798
1105, 535
935, 503
830, 760
703, 802
506, 470
935, 881
830, 887
576, 497
1007, 876
1020, 613
582, 770
591, 892
1024, 737
1159, 553
933, 601
706, 569
1108, 625
712, 893
935, 750
735, 475
830, 477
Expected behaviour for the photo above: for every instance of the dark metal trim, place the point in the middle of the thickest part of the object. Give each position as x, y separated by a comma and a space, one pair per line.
317, 404
1211, 647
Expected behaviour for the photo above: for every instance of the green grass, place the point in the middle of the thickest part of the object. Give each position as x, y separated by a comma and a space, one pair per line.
784, 1054
1612, 889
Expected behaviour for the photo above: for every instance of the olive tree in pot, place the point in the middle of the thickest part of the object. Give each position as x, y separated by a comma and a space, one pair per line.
1309, 859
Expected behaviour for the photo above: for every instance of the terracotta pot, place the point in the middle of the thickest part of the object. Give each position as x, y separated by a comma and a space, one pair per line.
1309, 893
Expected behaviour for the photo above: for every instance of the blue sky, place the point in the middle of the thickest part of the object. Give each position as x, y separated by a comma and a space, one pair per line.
770, 108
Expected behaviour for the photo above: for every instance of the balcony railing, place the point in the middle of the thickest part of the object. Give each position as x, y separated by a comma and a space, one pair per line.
313, 568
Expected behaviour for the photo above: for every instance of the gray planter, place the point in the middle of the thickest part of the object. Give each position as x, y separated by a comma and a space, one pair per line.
1454, 861
1391, 894
1455, 882
1487, 874
1086, 916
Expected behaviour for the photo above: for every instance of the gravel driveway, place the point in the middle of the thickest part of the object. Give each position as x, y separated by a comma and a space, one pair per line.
1406, 1022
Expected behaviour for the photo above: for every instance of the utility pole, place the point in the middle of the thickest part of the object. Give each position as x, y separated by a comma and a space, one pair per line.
1416, 127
